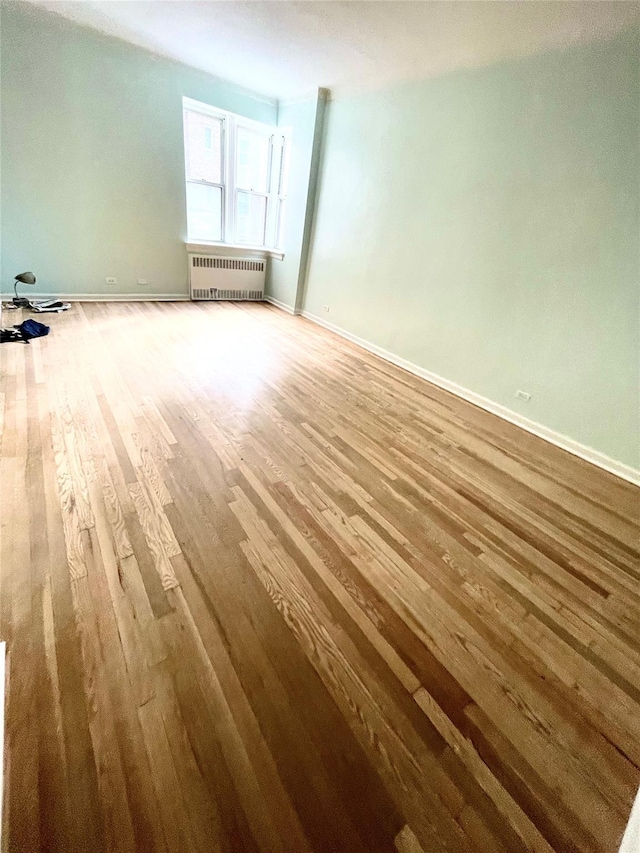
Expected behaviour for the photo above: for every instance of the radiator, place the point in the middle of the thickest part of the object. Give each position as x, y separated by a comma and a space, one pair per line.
213, 278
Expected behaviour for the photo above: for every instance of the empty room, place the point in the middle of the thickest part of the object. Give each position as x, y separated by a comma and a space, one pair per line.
320, 426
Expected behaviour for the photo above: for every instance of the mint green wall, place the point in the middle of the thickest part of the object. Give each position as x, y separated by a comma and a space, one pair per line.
485, 226
304, 119
92, 160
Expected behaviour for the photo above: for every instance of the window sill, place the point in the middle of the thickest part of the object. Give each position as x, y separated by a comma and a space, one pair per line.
233, 249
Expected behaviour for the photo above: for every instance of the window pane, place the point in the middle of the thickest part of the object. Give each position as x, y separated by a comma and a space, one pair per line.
282, 209
203, 147
285, 156
204, 212
252, 160
251, 216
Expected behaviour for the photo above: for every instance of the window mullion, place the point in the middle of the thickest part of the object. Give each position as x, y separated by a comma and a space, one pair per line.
272, 197
230, 205
202, 182
225, 159
268, 224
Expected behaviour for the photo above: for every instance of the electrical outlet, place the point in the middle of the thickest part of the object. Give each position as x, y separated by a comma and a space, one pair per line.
111, 280
523, 395
326, 307
143, 281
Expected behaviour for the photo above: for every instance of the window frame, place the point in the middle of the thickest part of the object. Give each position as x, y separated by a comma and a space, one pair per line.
279, 153
220, 116
283, 175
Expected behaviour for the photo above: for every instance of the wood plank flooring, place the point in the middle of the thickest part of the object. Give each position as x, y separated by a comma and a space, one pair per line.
265, 592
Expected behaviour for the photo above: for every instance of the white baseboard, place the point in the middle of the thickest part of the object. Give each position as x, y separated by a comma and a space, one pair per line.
104, 297
631, 838
2, 693
282, 305
620, 469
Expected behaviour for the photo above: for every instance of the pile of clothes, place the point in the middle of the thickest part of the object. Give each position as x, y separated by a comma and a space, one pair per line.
24, 332
48, 306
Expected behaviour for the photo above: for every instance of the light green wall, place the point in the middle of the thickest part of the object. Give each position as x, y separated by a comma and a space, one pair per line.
92, 160
304, 119
485, 226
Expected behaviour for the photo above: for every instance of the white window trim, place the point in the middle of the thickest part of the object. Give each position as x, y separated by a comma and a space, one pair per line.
278, 139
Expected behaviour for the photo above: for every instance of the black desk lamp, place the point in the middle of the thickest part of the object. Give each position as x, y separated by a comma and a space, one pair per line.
23, 278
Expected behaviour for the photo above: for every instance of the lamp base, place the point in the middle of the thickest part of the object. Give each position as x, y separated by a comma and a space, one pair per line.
21, 302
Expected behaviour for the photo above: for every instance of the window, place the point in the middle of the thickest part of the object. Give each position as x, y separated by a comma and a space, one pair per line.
237, 175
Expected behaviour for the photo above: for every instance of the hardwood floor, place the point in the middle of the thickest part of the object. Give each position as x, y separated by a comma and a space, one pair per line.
263, 591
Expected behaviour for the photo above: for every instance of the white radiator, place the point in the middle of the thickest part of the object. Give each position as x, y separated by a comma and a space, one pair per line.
215, 278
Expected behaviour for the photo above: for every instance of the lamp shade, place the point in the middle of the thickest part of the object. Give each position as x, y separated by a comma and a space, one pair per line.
26, 278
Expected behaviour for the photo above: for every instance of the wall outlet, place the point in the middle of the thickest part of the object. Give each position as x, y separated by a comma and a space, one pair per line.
523, 395
326, 307
111, 280
143, 281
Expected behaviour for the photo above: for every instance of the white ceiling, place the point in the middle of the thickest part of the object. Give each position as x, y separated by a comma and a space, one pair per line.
286, 49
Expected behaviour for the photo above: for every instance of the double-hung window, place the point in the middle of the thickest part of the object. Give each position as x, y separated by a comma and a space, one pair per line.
237, 176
